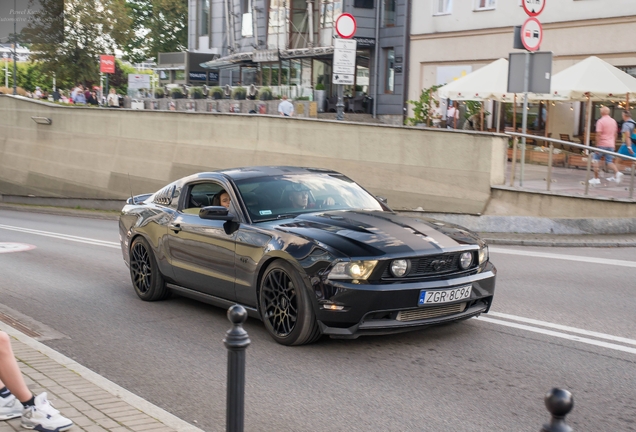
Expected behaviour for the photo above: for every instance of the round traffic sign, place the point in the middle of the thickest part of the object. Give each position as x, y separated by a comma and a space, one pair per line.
531, 34
346, 26
533, 7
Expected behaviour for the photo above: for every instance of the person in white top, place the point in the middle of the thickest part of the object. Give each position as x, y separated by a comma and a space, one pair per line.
286, 108
452, 116
38, 93
112, 100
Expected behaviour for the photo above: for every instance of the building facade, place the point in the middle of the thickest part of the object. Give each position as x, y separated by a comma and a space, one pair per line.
287, 45
450, 38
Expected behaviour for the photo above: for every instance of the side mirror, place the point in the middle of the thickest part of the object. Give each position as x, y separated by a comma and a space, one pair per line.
382, 200
215, 213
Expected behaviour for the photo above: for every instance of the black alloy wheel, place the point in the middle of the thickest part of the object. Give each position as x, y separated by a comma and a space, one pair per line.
285, 307
146, 278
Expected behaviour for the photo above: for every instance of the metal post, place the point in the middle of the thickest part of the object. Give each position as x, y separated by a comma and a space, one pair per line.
515, 142
376, 63
15, 52
236, 341
631, 183
524, 123
588, 114
559, 403
551, 148
340, 104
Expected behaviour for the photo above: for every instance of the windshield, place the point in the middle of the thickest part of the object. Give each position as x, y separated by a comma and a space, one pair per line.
284, 196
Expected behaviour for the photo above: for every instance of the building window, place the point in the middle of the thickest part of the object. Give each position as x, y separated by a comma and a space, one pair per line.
246, 18
485, 4
204, 17
443, 7
389, 71
363, 4
388, 13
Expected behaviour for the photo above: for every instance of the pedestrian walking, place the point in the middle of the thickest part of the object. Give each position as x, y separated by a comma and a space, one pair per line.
16, 400
285, 107
629, 135
606, 134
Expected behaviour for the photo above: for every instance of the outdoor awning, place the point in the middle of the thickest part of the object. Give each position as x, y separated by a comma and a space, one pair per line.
306, 52
595, 78
488, 82
229, 60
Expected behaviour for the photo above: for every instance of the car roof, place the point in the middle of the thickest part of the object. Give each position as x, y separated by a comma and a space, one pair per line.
267, 171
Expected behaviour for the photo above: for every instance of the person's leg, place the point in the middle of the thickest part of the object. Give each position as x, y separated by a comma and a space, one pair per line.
609, 159
10, 374
595, 162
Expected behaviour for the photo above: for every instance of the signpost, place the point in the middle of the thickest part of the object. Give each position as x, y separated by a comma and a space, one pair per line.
6, 69
344, 58
531, 38
106, 66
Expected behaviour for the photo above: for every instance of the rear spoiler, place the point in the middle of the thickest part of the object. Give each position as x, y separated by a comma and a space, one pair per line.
138, 199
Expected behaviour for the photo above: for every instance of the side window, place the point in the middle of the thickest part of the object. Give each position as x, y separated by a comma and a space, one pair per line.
200, 195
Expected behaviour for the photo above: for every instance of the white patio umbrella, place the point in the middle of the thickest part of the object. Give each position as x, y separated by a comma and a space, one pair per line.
488, 82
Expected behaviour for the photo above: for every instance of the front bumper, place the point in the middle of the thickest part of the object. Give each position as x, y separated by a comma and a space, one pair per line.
376, 309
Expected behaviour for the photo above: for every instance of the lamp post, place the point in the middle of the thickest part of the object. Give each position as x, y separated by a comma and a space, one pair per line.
6, 69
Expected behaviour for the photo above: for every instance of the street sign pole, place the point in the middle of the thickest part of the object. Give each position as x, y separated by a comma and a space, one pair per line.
344, 58
524, 121
15, 52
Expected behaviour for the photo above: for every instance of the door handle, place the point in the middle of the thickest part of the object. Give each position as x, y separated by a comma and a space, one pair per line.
175, 227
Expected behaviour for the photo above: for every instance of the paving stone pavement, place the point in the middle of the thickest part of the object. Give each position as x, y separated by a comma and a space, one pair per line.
92, 402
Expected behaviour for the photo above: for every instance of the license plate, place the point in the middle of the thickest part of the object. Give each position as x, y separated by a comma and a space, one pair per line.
444, 296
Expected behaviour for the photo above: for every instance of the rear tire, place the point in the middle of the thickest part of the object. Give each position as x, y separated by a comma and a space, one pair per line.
285, 306
146, 278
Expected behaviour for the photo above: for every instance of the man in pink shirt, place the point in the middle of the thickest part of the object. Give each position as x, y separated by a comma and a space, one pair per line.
606, 133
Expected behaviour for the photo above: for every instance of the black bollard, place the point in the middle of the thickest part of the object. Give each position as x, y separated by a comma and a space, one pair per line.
559, 402
236, 341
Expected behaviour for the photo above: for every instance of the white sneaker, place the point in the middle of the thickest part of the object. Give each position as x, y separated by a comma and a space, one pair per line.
10, 407
43, 417
594, 181
619, 177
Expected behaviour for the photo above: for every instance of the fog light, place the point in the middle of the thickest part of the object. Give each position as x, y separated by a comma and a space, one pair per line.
465, 260
400, 267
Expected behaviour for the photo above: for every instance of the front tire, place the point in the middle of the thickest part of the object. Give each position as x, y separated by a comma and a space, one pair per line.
146, 278
285, 306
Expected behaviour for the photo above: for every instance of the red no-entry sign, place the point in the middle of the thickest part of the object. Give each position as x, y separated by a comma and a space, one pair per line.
346, 26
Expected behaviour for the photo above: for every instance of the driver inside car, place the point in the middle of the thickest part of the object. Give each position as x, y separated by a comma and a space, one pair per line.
299, 197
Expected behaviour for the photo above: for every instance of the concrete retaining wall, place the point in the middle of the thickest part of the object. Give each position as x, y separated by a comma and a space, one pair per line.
103, 153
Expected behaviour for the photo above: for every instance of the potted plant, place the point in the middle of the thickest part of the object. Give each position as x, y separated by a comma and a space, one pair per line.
196, 92
176, 93
320, 96
239, 93
265, 94
159, 93
216, 93
423, 108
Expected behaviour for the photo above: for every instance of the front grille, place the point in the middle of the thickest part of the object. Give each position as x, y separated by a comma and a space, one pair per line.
430, 312
434, 265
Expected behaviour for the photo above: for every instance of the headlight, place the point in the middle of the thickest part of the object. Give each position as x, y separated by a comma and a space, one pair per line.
465, 260
483, 254
352, 270
400, 267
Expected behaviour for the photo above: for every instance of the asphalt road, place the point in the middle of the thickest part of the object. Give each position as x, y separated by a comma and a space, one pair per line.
489, 373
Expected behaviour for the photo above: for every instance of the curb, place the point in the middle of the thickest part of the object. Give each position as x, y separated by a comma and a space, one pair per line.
90, 214
130, 398
558, 243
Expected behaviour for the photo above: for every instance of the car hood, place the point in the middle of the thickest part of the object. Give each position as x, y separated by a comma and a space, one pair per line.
377, 233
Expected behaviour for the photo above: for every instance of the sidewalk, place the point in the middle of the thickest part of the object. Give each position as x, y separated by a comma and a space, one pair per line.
553, 240
91, 401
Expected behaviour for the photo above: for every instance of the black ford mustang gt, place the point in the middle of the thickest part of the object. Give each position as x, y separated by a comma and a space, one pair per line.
307, 251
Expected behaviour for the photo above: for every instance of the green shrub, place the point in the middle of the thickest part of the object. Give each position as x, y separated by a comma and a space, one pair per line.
320, 86
176, 93
265, 94
302, 98
159, 93
216, 93
196, 92
239, 93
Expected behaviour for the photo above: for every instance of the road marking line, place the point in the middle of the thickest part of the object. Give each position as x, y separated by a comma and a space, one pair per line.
593, 260
564, 328
68, 237
560, 335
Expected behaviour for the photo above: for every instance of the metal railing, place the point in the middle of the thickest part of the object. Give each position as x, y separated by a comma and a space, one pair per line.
551, 142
